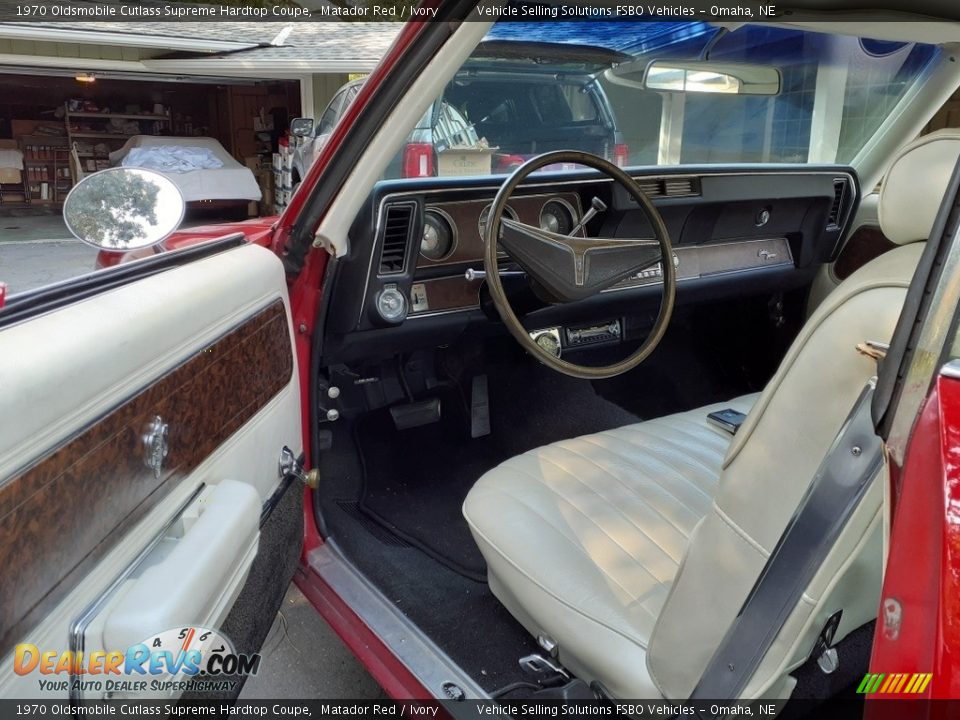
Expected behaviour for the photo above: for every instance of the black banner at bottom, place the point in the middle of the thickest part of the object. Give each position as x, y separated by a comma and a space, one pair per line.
481, 709
840, 709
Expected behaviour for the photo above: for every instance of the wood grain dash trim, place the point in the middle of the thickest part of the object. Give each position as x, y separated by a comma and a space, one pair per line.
64, 513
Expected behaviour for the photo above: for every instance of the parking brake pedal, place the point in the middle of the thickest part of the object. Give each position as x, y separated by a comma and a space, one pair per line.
479, 407
415, 414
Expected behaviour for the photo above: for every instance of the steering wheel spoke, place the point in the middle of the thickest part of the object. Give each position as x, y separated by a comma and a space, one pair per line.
570, 267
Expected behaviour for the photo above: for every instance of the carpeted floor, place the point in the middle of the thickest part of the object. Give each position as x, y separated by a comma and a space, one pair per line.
391, 499
415, 480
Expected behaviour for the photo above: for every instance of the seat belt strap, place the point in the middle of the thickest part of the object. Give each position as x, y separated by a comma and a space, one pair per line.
854, 458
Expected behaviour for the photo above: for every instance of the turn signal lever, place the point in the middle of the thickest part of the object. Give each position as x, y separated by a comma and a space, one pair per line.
472, 274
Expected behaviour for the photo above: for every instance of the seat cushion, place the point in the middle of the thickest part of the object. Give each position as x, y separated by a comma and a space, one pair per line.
615, 510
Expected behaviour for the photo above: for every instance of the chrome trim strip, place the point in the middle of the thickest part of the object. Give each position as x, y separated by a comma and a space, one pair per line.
438, 313
80, 624
420, 655
621, 288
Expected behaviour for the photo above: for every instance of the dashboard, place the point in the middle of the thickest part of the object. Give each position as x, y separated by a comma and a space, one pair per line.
414, 274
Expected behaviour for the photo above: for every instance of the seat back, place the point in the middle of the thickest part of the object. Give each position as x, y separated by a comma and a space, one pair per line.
776, 453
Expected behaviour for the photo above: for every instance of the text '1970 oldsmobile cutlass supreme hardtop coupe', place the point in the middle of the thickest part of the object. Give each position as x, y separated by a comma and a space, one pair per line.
677, 421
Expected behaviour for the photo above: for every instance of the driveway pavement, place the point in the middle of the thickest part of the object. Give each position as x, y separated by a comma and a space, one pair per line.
28, 264
303, 658
38, 250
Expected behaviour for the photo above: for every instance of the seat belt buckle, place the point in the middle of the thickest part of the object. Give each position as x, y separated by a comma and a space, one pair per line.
823, 651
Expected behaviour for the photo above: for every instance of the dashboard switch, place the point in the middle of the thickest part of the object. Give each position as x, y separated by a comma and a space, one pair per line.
391, 304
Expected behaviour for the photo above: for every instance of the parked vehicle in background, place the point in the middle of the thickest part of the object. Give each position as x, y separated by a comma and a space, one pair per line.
510, 95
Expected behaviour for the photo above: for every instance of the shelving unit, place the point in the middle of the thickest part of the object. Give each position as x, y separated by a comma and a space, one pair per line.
46, 169
92, 130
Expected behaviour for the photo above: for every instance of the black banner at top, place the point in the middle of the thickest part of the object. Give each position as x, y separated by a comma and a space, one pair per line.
287, 11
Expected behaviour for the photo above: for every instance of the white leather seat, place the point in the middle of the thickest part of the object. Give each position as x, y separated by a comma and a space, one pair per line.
618, 507
634, 549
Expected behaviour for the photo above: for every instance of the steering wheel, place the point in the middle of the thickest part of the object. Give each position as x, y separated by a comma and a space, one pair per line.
573, 267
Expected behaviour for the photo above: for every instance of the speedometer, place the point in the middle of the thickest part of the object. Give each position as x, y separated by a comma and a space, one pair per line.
557, 216
439, 235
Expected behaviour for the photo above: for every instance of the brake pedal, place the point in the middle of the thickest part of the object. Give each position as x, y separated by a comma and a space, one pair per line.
415, 414
479, 407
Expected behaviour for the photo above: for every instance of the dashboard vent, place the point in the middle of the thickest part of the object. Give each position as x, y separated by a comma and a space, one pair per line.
670, 186
397, 222
680, 186
836, 209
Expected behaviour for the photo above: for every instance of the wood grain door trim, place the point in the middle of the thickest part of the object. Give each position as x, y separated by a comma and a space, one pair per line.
61, 515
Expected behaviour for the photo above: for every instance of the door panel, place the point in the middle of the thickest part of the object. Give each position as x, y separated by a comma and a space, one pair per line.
207, 348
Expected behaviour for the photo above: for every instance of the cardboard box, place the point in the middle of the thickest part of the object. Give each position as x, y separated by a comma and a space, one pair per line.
10, 176
463, 162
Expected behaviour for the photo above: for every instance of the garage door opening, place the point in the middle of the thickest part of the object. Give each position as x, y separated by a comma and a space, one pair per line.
215, 137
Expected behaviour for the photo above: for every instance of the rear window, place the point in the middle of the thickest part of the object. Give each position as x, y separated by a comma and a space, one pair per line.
542, 104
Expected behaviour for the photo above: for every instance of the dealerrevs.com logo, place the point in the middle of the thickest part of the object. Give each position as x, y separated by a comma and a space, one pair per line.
189, 658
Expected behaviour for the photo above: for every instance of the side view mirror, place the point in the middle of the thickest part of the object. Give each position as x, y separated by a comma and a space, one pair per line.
698, 76
301, 127
123, 209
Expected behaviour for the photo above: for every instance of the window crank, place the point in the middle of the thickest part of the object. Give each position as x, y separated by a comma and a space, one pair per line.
289, 466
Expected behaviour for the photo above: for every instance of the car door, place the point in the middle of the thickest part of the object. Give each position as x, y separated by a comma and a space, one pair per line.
917, 408
145, 411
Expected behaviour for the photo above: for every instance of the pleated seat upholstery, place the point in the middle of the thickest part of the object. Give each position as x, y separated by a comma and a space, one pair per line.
619, 506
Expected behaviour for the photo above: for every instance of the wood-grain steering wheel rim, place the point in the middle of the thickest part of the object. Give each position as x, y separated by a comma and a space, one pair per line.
502, 304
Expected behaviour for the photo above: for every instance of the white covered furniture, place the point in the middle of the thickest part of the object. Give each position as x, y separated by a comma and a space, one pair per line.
634, 549
233, 181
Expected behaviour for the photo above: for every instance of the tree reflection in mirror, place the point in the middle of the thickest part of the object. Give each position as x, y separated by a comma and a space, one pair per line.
124, 209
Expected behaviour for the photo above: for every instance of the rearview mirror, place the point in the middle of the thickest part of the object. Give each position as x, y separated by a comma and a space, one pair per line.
301, 127
699, 76
123, 209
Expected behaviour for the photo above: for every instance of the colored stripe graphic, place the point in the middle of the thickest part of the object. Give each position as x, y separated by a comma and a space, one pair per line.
894, 683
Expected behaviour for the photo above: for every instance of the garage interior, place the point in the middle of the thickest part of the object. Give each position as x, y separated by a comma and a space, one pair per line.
45, 116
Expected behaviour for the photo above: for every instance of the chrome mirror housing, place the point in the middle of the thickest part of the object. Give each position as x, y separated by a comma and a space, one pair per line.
124, 209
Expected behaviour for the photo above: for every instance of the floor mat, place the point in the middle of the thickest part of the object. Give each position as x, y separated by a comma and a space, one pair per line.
415, 480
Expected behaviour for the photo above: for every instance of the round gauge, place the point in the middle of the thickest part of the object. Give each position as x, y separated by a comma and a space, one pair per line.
482, 222
557, 217
439, 235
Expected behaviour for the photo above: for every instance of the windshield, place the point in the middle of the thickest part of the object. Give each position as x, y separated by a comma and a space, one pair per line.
534, 87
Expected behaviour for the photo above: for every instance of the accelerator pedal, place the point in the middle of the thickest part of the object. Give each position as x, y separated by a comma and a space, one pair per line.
479, 408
